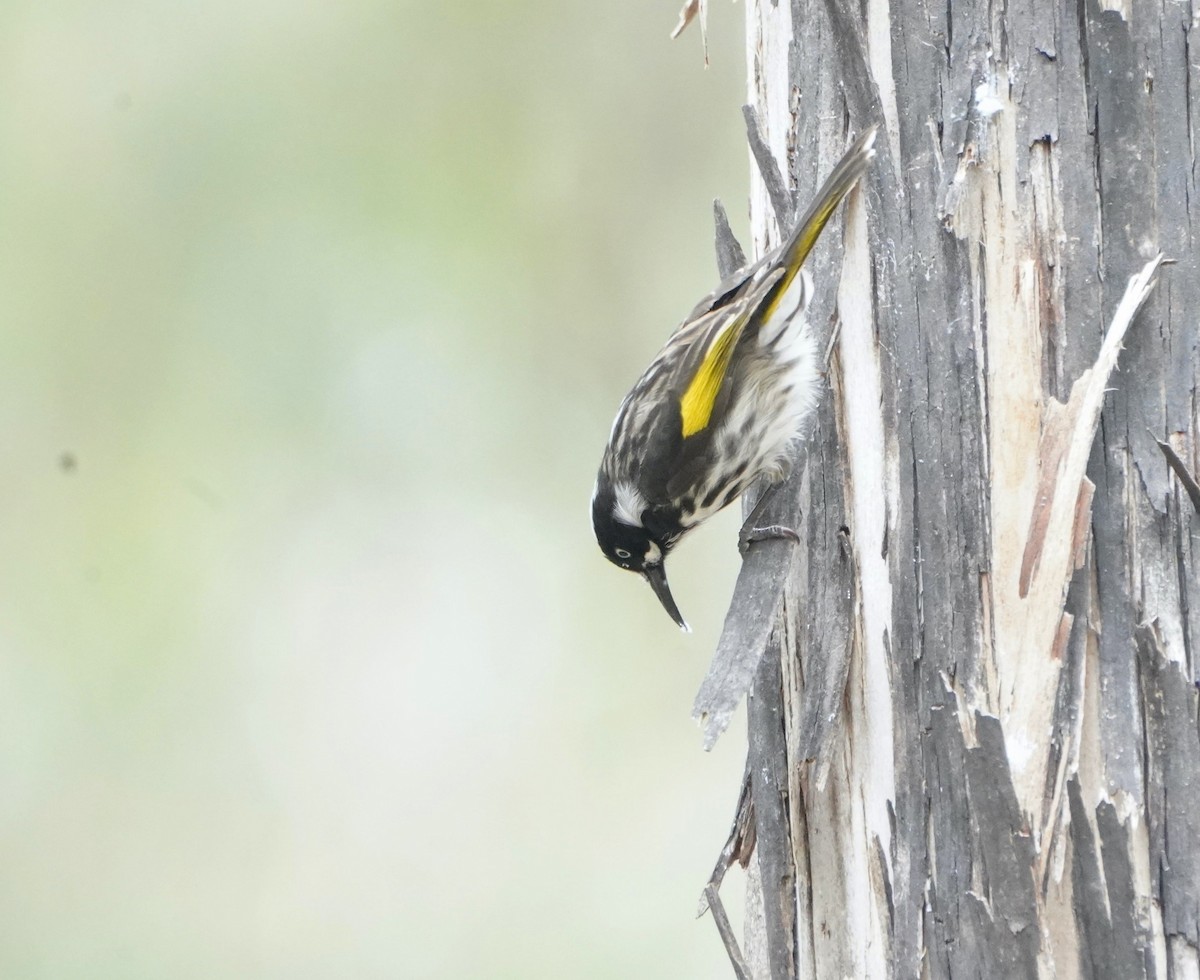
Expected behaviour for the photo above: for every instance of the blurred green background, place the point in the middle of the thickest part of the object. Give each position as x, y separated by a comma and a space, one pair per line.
314, 319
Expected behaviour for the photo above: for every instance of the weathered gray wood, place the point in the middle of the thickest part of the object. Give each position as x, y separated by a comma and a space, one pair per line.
1112, 946
768, 775
989, 757
1173, 785
824, 620
750, 622
781, 201
730, 256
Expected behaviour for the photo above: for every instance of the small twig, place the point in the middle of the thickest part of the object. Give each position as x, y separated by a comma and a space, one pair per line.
781, 201
736, 960
768, 759
739, 845
832, 343
1181, 471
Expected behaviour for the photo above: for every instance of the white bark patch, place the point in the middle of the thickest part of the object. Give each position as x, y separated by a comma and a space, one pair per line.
869, 699
879, 51
1051, 545
1185, 960
985, 210
1038, 447
768, 35
987, 102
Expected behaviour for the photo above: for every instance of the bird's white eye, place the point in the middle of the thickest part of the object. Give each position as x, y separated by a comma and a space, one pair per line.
621, 553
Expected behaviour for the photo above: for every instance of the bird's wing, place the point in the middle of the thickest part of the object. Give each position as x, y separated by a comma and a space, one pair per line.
703, 374
695, 389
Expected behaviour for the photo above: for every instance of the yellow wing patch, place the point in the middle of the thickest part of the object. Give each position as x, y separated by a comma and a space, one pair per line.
696, 405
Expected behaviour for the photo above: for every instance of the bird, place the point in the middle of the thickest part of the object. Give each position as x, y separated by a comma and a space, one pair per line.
721, 404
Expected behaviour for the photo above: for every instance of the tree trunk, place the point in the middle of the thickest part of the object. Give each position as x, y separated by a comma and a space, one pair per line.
974, 741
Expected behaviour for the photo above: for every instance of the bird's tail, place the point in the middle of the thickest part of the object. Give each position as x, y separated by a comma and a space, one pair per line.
837, 185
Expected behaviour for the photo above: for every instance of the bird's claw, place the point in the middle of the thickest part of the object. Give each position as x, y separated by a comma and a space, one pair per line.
748, 535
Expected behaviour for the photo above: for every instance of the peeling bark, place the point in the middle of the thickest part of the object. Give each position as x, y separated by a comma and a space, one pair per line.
976, 722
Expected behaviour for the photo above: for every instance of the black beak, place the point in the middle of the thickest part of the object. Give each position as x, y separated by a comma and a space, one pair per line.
657, 577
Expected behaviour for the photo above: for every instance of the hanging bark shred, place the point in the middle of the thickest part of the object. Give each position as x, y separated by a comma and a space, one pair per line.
687, 14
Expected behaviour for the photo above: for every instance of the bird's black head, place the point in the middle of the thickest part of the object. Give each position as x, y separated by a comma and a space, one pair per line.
625, 541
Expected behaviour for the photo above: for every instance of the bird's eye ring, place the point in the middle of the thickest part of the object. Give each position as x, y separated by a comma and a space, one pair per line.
621, 553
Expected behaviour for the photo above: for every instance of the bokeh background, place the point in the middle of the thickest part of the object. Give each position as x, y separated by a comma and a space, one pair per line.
313, 320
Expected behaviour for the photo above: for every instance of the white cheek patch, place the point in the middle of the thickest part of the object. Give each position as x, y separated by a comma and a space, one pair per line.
653, 554
629, 504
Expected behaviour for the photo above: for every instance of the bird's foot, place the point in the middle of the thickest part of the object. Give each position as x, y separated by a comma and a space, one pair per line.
748, 535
